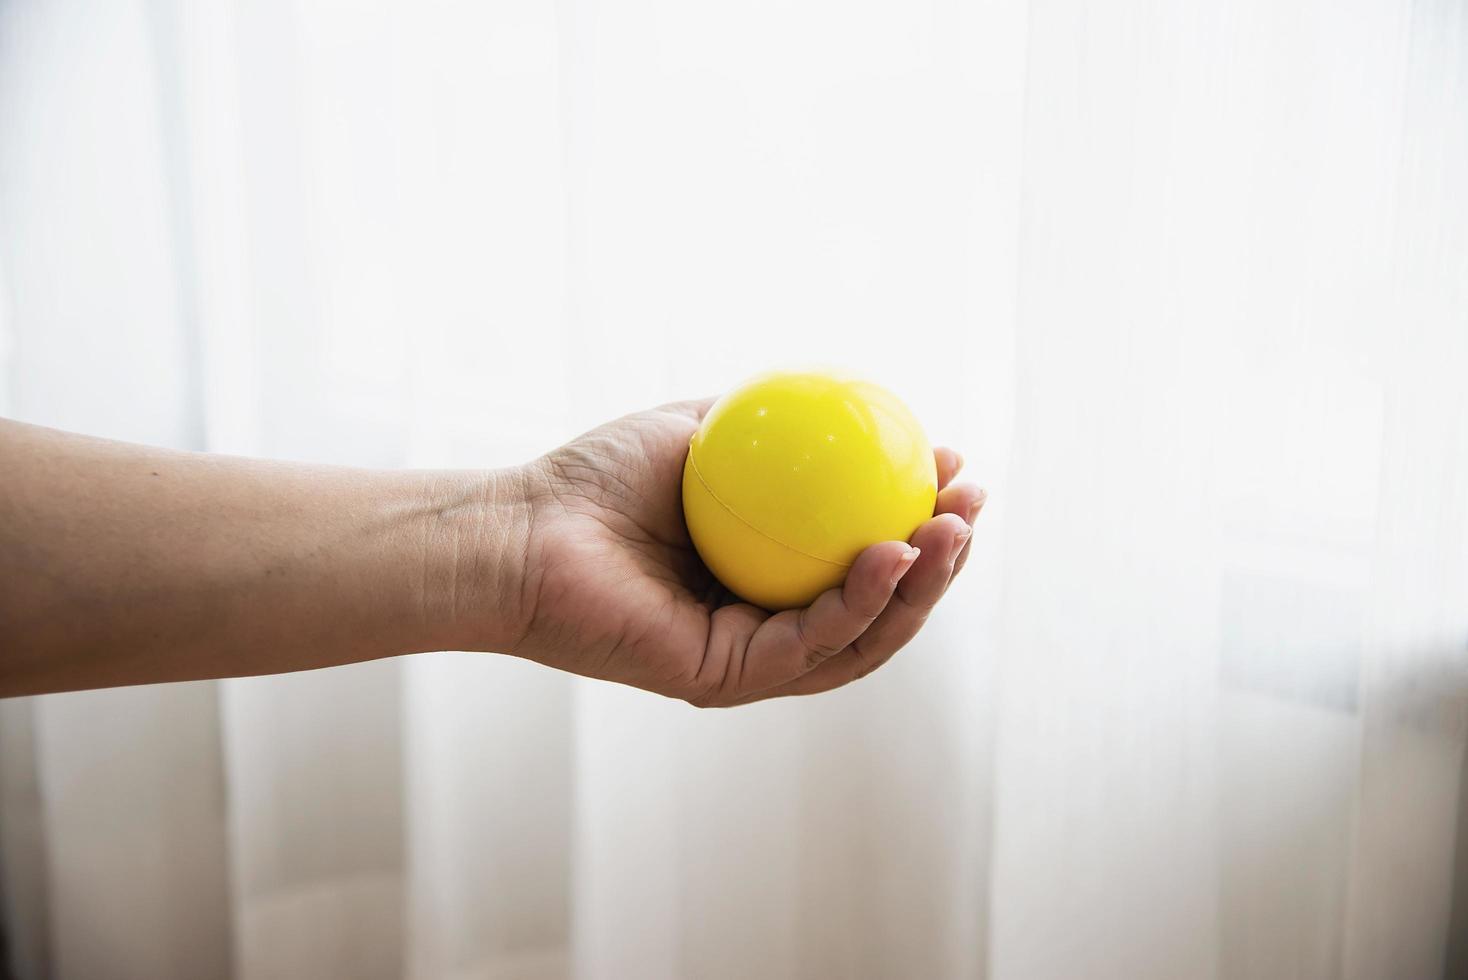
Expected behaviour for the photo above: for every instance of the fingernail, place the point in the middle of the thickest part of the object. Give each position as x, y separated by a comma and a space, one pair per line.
959, 540
904, 563
958, 458
977, 505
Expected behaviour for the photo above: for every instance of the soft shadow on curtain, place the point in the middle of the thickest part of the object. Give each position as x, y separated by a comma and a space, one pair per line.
1188, 285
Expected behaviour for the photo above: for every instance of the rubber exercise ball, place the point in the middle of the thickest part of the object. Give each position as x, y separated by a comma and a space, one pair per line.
791, 475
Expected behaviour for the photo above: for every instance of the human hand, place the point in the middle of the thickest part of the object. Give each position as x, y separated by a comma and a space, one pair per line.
124, 564
612, 587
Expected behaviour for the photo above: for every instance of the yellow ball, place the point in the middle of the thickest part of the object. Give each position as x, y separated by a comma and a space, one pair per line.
791, 475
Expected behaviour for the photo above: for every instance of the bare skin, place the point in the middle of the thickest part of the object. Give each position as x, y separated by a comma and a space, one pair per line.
124, 564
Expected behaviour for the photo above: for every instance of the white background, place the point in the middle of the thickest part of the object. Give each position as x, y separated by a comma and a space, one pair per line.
1187, 283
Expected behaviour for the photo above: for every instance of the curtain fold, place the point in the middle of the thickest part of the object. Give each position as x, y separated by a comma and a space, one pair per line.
1184, 283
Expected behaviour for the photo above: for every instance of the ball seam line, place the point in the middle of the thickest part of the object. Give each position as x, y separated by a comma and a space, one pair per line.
693, 465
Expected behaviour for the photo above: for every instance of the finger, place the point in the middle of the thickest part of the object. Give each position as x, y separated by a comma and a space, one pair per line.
961, 499
797, 641
730, 630
694, 408
940, 540
874, 649
965, 500
949, 463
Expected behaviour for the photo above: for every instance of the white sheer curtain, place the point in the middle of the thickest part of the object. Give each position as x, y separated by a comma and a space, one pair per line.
1187, 282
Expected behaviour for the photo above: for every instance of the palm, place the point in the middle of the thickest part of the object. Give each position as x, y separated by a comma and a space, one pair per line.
620, 593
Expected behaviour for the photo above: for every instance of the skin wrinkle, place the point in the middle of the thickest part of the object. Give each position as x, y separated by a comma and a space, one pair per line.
454, 577
531, 581
725, 678
484, 553
424, 616
815, 652
478, 553
564, 468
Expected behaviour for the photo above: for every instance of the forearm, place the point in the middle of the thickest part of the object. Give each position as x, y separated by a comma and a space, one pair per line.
122, 564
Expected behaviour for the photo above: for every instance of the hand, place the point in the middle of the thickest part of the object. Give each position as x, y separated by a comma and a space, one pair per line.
613, 588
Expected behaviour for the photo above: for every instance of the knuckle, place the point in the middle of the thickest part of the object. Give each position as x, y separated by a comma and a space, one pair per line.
705, 701
702, 690
822, 650
815, 650
700, 694
916, 611
868, 662
871, 607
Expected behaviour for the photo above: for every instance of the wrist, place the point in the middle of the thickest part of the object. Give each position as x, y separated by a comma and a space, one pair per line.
475, 530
